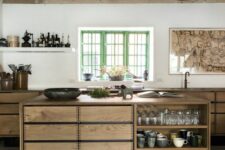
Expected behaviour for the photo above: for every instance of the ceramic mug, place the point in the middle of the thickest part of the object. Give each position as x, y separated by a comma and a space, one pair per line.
162, 142
151, 142
141, 142
194, 141
183, 133
179, 142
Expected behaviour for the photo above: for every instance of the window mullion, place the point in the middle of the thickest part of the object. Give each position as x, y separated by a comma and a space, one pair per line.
126, 53
147, 51
103, 49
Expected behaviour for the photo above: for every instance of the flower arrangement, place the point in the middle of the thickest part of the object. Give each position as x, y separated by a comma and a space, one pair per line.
116, 73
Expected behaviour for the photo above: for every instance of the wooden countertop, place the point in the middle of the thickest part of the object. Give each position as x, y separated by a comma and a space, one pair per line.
87, 100
146, 89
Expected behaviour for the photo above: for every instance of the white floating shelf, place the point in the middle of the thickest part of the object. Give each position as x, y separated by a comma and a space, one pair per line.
36, 50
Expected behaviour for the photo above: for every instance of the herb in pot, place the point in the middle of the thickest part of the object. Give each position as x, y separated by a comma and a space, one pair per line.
99, 93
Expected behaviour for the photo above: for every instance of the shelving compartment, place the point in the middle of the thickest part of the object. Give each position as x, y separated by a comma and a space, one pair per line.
202, 128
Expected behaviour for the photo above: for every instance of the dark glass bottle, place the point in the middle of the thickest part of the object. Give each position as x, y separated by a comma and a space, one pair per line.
68, 42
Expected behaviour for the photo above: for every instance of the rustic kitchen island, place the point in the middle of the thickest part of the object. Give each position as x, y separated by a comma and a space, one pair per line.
101, 124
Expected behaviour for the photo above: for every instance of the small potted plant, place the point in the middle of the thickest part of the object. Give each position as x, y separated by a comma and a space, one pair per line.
116, 73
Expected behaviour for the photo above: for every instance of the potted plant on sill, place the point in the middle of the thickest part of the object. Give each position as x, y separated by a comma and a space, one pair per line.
116, 73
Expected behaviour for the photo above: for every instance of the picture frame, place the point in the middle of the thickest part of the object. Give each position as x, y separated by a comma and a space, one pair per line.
197, 50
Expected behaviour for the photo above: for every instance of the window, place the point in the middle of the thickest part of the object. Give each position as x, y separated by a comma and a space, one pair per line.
108, 48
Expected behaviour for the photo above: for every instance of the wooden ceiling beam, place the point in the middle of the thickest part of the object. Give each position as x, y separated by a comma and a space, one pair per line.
106, 1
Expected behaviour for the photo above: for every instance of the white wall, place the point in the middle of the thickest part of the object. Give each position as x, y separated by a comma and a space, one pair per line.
0, 31
50, 70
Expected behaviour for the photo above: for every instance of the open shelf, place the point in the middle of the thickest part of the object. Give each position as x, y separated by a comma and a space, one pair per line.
36, 50
173, 127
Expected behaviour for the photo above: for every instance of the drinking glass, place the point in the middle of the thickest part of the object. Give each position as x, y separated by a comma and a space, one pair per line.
180, 117
187, 117
195, 117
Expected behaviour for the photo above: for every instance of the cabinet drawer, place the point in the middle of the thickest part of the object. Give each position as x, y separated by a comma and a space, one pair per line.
106, 114
220, 96
220, 124
106, 132
213, 122
17, 97
206, 95
107, 146
9, 125
213, 107
220, 107
50, 114
50, 132
9, 109
50, 146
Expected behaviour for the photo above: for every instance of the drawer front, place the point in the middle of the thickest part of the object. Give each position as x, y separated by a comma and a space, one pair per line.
17, 97
106, 114
9, 109
220, 107
50, 132
213, 122
107, 146
213, 107
50, 114
220, 124
220, 96
106, 132
206, 95
50, 146
9, 125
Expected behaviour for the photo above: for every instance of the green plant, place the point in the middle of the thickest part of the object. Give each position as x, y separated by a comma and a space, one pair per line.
99, 93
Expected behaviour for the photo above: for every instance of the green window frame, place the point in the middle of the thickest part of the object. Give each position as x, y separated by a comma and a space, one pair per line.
106, 48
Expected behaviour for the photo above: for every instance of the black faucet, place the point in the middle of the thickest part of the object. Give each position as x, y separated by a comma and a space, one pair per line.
185, 79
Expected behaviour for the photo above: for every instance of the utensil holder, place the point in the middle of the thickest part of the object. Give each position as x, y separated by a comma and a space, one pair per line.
21, 80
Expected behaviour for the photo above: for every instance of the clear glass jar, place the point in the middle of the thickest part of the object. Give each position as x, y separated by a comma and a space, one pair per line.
187, 117
173, 118
195, 117
160, 118
180, 117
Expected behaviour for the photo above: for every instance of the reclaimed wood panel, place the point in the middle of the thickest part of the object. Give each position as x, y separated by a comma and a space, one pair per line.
205, 95
106, 132
50, 114
107, 146
220, 107
220, 96
9, 125
106, 114
220, 124
51, 146
9, 108
50, 132
17, 97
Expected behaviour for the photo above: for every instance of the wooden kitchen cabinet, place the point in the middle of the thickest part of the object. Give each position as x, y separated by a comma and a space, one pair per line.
106, 146
50, 114
106, 132
51, 146
9, 112
43, 132
100, 124
9, 125
77, 127
106, 114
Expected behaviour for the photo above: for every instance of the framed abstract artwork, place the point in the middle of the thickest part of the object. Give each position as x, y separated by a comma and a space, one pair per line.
199, 51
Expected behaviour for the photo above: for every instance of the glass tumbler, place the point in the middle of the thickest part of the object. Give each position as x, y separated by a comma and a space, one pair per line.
180, 117
187, 117
195, 117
